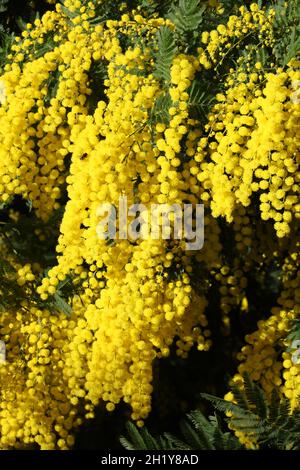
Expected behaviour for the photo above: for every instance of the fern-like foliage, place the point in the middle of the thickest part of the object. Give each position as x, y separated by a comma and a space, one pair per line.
160, 110
199, 433
11, 293
141, 439
187, 15
165, 54
268, 424
3, 5
293, 339
200, 99
6, 40
287, 31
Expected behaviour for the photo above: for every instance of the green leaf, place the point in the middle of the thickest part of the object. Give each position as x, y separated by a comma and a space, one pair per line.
174, 442
140, 439
239, 396
204, 430
286, 30
196, 440
160, 110
61, 305
69, 14
187, 16
200, 99
255, 397
274, 406
294, 335
3, 5
165, 54
223, 405
279, 430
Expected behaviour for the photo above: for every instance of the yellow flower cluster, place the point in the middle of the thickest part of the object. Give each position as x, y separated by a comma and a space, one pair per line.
253, 149
219, 42
270, 357
37, 393
260, 357
138, 311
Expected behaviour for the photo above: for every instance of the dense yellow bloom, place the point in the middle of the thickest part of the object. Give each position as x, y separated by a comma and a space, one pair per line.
257, 149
